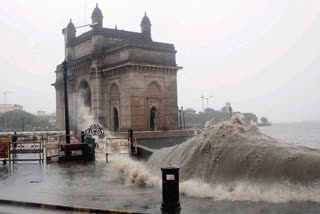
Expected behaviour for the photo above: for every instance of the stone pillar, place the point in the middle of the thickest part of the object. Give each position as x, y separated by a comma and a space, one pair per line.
96, 92
171, 101
132, 100
59, 108
59, 99
72, 100
125, 102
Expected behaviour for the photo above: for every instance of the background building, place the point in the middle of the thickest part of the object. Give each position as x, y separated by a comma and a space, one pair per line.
190, 111
10, 107
226, 108
51, 118
41, 113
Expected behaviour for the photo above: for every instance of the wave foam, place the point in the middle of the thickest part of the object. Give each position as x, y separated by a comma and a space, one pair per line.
133, 172
277, 193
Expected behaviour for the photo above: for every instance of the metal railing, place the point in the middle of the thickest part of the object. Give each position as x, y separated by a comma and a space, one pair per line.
121, 145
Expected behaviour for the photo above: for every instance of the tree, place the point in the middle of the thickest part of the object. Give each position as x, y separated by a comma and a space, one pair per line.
250, 117
264, 120
23, 121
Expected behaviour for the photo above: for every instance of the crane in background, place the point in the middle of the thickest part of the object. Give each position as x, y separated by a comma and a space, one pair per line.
207, 98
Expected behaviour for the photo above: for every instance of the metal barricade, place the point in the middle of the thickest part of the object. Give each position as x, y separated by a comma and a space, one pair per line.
34, 146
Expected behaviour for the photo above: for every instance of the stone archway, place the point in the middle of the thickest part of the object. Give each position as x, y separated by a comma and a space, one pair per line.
115, 119
153, 98
153, 118
84, 94
84, 118
114, 107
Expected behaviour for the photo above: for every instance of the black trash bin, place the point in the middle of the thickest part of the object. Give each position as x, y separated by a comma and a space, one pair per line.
170, 189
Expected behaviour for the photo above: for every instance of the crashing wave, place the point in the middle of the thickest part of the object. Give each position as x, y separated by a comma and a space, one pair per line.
133, 172
233, 151
232, 161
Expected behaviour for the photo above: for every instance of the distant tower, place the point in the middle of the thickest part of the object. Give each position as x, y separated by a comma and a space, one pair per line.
71, 31
97, 17
146, 27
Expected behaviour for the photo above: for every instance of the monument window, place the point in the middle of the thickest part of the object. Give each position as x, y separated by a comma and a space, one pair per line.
153, 90
114, 92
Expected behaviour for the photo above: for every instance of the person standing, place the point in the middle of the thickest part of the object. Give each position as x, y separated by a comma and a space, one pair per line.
14, 139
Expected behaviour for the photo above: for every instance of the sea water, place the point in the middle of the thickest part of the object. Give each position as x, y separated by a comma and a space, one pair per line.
302, 133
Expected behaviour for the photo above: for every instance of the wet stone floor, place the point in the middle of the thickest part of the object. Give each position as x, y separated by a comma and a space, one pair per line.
94, 185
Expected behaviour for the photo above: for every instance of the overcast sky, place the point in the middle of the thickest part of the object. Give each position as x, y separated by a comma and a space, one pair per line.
261, 55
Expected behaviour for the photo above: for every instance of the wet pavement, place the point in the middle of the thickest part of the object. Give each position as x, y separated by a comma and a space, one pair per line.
78, 185
19, 210
93, 185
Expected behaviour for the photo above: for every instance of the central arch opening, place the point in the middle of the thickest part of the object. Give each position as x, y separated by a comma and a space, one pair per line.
85, 94
84, 119
115, 119
153, 118
114, 106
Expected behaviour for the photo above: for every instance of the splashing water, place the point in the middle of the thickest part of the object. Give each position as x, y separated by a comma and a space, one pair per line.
84, 116
275, 193
232, 151
235, 161
133, 172
85, 119
232, 161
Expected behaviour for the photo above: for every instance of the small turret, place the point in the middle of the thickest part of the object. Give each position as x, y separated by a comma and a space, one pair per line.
146, 27
97, 17
71, 31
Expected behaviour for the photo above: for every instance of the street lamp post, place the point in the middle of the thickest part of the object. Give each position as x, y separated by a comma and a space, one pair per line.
66, 106
5, 110
184, 121
182, 116
202, 99
180, 110
178, 116
208, 101
230, 111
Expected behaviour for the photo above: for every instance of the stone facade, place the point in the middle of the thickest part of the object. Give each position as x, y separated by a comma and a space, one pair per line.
124, 78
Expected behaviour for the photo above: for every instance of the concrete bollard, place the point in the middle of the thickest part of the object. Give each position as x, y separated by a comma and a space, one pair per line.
170, 189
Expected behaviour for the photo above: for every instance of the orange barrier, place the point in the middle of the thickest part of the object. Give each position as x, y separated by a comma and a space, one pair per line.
4, 147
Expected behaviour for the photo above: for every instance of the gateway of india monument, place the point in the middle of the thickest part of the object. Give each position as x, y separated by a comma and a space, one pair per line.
124, 79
